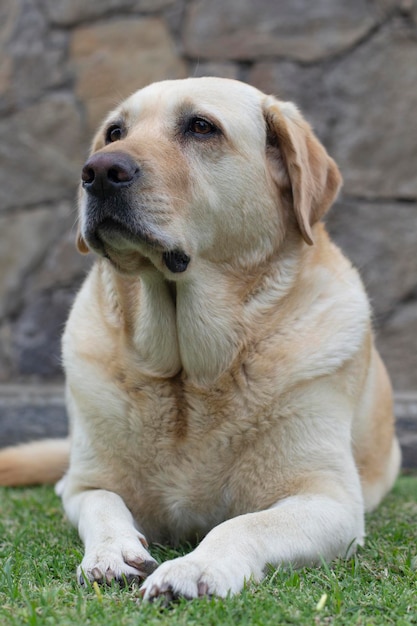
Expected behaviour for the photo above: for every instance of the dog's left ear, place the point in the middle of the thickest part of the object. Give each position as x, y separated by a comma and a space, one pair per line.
299, 161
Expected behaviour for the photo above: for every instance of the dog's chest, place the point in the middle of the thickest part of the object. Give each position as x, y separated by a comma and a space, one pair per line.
193, 457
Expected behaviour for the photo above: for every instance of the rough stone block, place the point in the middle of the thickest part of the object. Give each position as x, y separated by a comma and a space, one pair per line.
33, 57
374, 130
25, 240
380, 238
39, 300
40, 152
70, 12
115, 58
363, 108
372, 234
301, 30
223, 70
398, 345
36, 345
29, 412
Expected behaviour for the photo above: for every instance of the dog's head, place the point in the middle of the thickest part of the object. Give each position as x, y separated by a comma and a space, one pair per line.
202, 169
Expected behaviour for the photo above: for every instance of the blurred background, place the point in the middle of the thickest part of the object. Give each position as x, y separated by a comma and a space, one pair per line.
350, 66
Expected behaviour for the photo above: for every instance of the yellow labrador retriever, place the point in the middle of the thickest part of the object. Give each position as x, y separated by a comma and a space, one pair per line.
222, 380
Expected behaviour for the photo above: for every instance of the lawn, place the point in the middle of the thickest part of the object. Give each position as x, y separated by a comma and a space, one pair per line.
39, 553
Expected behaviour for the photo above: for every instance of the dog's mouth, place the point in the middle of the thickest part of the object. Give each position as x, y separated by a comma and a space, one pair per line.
120, 244
110, 233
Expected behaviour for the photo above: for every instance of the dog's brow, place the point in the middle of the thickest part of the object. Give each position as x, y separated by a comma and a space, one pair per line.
189, 109
120, 120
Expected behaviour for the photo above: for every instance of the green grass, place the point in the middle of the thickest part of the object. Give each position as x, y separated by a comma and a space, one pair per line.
39, 552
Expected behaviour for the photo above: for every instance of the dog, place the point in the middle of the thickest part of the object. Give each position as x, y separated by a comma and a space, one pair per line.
222, 379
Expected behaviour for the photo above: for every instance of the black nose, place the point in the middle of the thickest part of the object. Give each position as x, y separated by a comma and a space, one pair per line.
108, 172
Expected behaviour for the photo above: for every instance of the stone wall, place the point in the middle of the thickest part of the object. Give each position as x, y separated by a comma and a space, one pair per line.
351, 66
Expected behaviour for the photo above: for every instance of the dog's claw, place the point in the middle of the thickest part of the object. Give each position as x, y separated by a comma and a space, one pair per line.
202, 589
145, 567
96, 574
166, 593
110, 575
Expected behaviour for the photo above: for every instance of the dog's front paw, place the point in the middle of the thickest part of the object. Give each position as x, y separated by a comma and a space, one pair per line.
189, 577
123, 560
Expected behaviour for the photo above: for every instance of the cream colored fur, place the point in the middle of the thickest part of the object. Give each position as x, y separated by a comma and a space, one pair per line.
241, 400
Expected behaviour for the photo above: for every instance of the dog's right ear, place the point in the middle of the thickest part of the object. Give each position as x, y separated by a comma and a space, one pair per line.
80, 243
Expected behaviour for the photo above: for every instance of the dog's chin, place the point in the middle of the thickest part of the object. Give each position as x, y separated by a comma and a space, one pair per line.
133, 252
127, 262
121, 237
127, 251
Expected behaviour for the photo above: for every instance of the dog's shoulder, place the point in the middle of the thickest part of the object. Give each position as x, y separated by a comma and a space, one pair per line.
322, 321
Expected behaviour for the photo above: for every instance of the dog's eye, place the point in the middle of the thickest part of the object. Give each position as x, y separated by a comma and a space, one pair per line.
200, 126
114, 133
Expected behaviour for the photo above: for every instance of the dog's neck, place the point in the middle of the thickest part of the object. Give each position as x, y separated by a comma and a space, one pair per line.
209, 326
195, 326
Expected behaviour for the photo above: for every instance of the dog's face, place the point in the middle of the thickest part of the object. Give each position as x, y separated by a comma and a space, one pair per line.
201, 170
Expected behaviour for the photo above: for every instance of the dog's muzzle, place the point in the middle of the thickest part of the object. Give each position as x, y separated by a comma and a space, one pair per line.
106, 177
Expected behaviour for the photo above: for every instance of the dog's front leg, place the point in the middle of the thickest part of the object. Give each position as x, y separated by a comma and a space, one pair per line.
299, 530
114, 548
